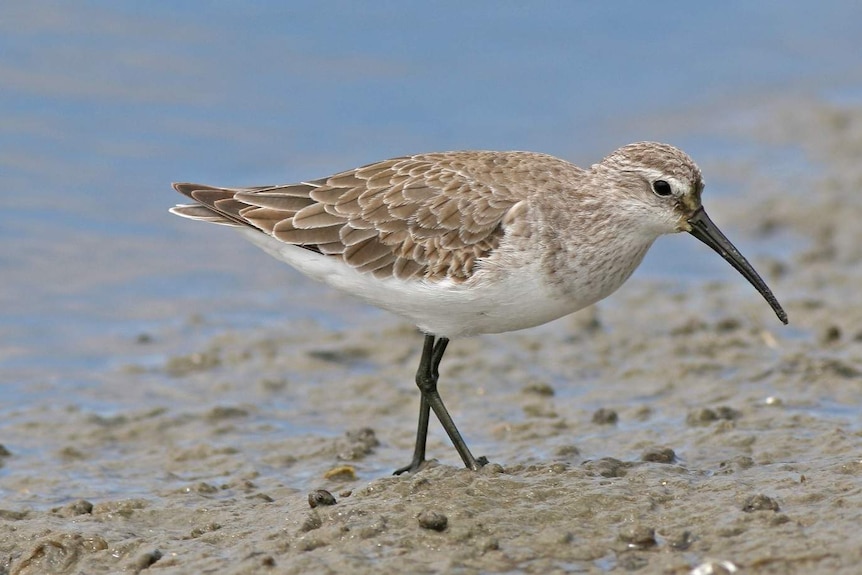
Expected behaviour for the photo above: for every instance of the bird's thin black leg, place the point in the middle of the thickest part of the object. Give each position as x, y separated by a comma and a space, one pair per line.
426, 379
430, 351
421, 437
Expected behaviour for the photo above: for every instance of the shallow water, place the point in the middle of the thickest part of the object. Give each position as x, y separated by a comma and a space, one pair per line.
195, 391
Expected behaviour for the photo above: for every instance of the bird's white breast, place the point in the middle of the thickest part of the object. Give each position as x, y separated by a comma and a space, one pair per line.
493, 301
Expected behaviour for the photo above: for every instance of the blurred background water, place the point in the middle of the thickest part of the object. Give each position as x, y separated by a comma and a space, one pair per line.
104, 104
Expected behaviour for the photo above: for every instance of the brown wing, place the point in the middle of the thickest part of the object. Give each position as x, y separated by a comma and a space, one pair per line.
428, 216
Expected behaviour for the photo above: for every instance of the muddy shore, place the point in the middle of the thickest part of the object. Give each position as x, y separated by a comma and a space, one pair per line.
678, 427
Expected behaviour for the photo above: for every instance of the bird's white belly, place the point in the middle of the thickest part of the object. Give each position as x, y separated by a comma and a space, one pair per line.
515, 300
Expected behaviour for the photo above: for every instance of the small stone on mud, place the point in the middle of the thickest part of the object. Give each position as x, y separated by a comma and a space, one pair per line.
320, 497
432, 520
727, 324
79, 507
204, 529
538, 388
659, 455
702, 416
221, 412
759, 502
201, 488
831, 334
705, 416
604, 416
638, 536
607, 467
735, 464
490, 468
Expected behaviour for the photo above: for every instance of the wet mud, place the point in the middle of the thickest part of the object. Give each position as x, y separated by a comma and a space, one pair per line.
675, 429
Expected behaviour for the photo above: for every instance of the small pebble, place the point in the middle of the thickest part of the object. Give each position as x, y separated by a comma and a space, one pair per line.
604, 416
320, 497
727, 324
607, 467
79, 507
204, 529
659, 455
759, 503
737, 463
539, 388
222, 412
831, 334
432, 520
638, 536
202, 488
489, 468
705, 416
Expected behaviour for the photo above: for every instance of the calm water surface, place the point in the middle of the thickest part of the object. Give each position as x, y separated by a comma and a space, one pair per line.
104, 104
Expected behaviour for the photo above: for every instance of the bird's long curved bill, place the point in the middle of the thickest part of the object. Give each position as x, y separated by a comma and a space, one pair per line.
703, 229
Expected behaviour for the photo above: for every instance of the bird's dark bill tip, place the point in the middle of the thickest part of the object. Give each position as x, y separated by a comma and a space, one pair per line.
706, 231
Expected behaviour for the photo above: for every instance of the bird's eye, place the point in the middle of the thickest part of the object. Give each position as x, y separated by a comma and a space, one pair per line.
661, 188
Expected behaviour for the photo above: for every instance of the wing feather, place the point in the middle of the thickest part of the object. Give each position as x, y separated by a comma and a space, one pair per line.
427, 216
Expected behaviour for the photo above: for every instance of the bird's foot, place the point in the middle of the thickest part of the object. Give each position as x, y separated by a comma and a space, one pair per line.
413, 467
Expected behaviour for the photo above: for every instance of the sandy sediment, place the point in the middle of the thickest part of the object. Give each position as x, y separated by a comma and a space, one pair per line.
673, 428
